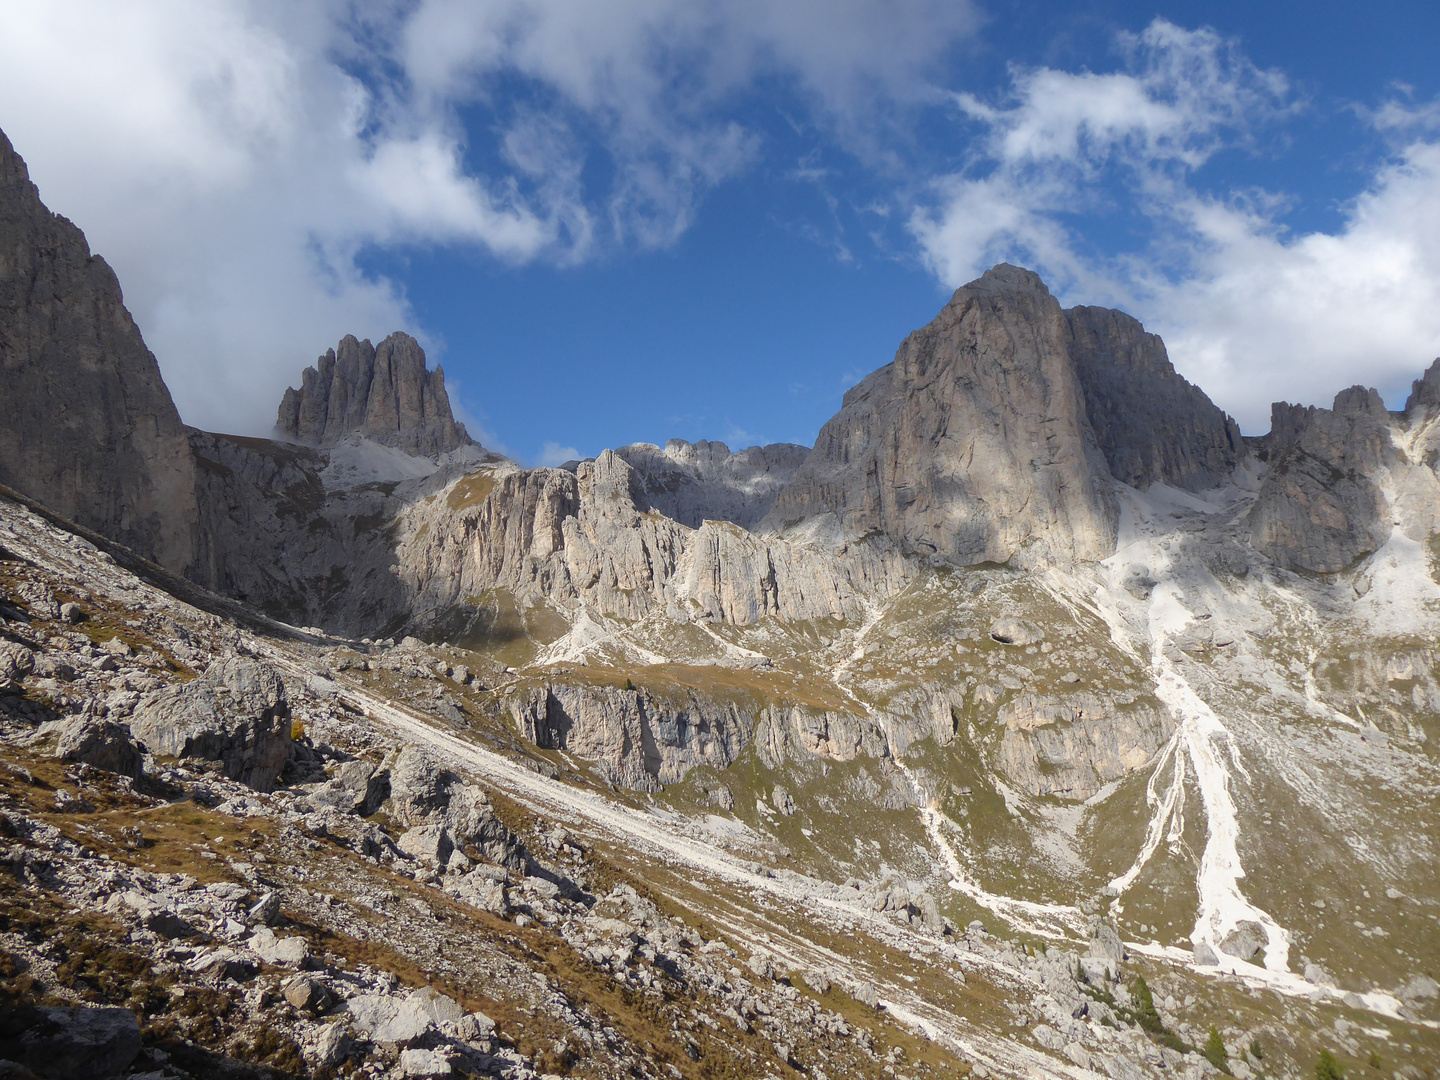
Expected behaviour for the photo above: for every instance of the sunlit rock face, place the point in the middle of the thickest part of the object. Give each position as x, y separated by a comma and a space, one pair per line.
383, 392
973, 443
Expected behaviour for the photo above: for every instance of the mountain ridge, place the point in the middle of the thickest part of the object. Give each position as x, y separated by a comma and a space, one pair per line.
906, 756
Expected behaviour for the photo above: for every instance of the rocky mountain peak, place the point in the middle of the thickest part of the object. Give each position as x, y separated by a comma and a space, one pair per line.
383, 392
1425, 393
1152, 425
972, 443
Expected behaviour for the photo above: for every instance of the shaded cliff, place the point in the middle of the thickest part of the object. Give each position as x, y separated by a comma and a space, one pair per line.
90, 428
1152, 425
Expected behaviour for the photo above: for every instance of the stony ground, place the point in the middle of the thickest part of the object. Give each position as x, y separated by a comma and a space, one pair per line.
347, 865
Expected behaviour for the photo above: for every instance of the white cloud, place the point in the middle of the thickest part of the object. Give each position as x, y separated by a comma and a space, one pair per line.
1263, 316
552, 454
1248, 310
231, 159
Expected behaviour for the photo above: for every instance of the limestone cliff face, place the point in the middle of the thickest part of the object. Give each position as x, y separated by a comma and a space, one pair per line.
271, 535
1323, 504
1152, 425
639, 740
1070, 746
581, 537
695, 482
383, 392
89, 429
973, 443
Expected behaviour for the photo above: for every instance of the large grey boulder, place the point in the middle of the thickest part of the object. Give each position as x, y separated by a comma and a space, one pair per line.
1246, 940
90, 429
445, 813
973, 444
357, 787
101, 743
383, 392
236, 713
16, 661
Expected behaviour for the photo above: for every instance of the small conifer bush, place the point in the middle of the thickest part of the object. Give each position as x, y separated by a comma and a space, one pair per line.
1327, 1068
1215, 1052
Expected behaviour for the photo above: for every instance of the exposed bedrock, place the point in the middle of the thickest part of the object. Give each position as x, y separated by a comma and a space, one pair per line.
972, 444
1152, 425
696, 482
383, 392
1341, 479
636, 738
89, 427
1072, 746
564, 537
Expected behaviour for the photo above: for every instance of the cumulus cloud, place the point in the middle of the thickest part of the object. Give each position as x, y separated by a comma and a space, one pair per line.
1265, 316
1249, 310
233, 159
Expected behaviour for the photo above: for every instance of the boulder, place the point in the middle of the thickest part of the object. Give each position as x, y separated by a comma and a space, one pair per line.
266, 910
1011, 630
425, 1064
16, 661
326, 1046
1246, 940
816, 979
307, 995
290, 952
80, 1043
236, 713
424, 794
1105, 944
101, 743
357, 787
762, 965
428, 843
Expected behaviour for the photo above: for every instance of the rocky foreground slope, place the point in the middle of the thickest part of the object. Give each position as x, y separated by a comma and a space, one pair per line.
1034, 723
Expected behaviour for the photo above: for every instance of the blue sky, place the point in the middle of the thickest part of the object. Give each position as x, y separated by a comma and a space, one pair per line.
629, 220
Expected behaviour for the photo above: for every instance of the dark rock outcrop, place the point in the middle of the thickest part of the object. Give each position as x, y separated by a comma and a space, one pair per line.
90, 429
1320, 508
1152, 425
383, 392
973, 443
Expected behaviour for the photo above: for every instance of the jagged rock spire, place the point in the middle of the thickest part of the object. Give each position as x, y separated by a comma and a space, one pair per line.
383, 392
